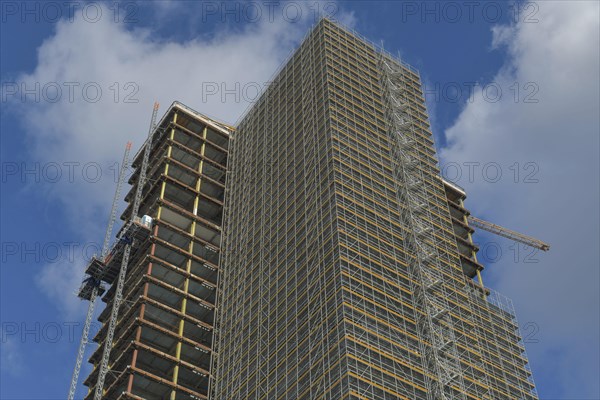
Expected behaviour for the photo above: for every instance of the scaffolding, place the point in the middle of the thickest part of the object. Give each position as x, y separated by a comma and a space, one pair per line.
348, 262
416, 181
345, 262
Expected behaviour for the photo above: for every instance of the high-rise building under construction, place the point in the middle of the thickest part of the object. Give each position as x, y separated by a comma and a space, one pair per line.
348, 264
314, 252
160, 339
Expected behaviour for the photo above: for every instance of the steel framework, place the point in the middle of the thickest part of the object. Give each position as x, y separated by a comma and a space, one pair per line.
509, 234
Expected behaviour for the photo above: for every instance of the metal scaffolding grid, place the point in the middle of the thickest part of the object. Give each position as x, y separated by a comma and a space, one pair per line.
341, 275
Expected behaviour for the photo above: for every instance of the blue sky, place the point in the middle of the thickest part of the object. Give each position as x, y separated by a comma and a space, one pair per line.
513, 96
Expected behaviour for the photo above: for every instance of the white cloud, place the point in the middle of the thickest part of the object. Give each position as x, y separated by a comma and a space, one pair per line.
60, 281
145, 68
11, 355
560, 134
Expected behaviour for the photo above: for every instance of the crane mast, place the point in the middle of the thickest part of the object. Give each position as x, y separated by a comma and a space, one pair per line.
103, 369
91, 286
509, 234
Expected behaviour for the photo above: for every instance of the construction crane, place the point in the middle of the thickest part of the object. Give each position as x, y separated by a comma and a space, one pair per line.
91, 287
507, 233
103, 369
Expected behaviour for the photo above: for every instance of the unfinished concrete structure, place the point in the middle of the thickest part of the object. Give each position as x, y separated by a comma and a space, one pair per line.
163, 336
348, 262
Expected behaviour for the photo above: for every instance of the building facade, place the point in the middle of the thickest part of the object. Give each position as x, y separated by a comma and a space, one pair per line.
162, 344
347, 266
